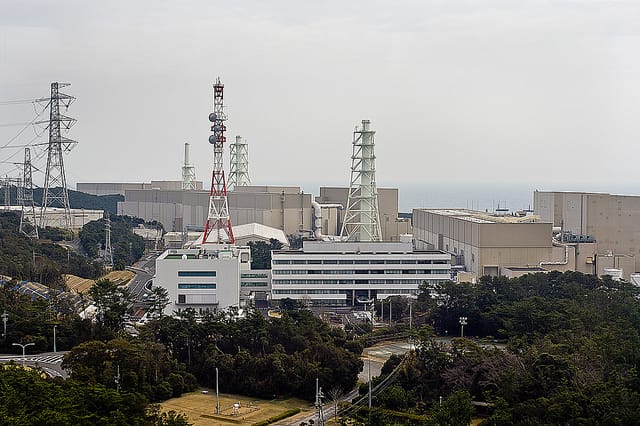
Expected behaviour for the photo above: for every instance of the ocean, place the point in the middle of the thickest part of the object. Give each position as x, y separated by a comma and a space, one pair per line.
485, 196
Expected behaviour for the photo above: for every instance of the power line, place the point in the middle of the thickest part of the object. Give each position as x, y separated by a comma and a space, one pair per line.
19, 101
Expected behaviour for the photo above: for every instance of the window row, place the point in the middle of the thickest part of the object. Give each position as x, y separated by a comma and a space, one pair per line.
196, 286
310, 291
196, 273
253, 276
360, 271
391, 281
360, 262
253, 284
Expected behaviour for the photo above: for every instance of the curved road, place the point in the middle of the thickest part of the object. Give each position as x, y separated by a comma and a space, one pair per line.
49, 362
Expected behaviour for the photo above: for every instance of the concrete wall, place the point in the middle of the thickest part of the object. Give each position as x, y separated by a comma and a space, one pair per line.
613, 220
290, 211
387, 209
483, 247
106, 188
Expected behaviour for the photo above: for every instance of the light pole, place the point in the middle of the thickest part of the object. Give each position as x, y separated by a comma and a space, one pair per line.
54, 339
463, 322
410, 314
24, 347
5, 318
217, 395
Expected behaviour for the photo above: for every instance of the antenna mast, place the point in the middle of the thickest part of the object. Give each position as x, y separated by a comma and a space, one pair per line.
218, 226
26, 199
55, 183
361, 220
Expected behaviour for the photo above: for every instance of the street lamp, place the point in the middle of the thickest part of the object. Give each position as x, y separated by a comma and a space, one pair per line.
24, 347
463, 322
54, 339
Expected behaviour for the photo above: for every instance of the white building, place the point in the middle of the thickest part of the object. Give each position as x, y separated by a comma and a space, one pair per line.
343, 273
205, 279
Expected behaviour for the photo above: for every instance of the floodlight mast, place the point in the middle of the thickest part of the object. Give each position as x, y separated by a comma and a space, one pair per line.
218, 226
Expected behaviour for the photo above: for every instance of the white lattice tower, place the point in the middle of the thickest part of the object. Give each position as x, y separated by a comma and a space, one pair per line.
108, 252
361, 220
188, 172
55, 182
218, 226
239, 159
25, 198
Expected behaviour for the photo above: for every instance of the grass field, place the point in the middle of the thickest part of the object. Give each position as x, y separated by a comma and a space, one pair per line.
200, 408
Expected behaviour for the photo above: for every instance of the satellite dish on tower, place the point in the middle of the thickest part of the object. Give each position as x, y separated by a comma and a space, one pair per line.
212, 139
212, 117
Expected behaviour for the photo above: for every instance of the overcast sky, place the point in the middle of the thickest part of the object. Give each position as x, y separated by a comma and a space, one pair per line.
537, 92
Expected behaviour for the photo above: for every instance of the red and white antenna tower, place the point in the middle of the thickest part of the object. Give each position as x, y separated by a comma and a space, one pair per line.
218, 226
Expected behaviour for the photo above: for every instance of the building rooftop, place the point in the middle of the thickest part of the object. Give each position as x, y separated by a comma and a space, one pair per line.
484, 217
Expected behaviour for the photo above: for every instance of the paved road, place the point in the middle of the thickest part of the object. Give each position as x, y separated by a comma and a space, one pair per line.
50, 362
140, 285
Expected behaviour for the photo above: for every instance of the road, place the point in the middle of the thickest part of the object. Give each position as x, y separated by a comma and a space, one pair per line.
373, 357
49, 362
140, 285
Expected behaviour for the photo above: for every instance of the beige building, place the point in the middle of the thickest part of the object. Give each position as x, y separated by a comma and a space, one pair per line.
612, 220
112, 188
390, 225
511, 245
282, 207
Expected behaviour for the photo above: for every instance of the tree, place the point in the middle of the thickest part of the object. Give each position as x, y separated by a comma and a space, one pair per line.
159, 300
456, 410
261, 253
113, 304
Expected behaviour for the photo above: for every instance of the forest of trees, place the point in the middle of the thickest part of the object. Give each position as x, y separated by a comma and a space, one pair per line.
571, 353
126, 246
24, 259
263, 357
77, 200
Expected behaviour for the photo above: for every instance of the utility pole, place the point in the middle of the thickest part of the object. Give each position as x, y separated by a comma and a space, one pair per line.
54, 339
217, 394
5, 318
318, 404
117, 379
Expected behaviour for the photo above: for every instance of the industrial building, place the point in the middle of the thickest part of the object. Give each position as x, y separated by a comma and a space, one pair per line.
613, 221
120, 188
54, 216
482, 243
209, 278
391, 225
348, 273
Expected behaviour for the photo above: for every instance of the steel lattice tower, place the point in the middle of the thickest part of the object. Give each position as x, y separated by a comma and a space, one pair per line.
55, 182
108, 253
218, 226
361, 220
239, 159
25, 198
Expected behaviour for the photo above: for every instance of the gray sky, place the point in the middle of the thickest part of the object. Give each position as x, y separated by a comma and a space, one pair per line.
459, 91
